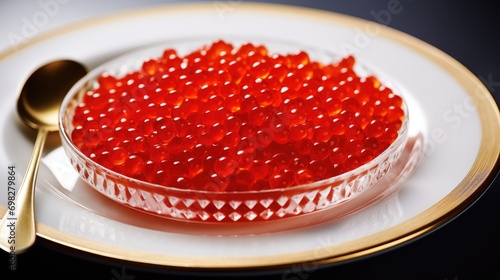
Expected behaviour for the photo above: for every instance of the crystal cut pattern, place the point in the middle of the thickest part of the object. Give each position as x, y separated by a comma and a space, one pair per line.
188, 205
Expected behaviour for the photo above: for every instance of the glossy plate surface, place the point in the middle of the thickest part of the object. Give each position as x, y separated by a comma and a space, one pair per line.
459, 159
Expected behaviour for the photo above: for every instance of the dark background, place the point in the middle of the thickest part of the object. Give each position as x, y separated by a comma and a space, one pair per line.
468, 247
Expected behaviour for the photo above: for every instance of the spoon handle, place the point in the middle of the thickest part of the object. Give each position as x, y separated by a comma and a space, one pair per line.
23, 222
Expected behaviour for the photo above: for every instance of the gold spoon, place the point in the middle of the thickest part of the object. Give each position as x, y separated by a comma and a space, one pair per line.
38, 106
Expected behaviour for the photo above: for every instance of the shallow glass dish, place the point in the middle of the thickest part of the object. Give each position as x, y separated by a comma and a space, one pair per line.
219, 207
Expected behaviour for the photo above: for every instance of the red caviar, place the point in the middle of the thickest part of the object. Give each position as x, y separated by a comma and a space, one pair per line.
225, 118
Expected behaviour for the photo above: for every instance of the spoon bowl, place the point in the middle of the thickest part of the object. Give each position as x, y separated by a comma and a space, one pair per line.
38, 107
41, 96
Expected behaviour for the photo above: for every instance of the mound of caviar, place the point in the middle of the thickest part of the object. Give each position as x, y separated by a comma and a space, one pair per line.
226, 118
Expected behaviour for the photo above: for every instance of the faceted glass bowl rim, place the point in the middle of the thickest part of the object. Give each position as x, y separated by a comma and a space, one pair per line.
132, 60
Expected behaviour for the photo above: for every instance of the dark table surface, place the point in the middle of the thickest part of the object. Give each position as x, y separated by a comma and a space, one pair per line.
468, 247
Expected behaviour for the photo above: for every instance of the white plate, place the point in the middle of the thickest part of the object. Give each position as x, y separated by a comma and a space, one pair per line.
455, 113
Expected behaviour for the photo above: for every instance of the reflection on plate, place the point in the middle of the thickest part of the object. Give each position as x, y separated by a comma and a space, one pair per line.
431, 195
65, 182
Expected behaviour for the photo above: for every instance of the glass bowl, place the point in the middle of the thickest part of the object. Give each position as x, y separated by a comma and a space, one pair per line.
219, 207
